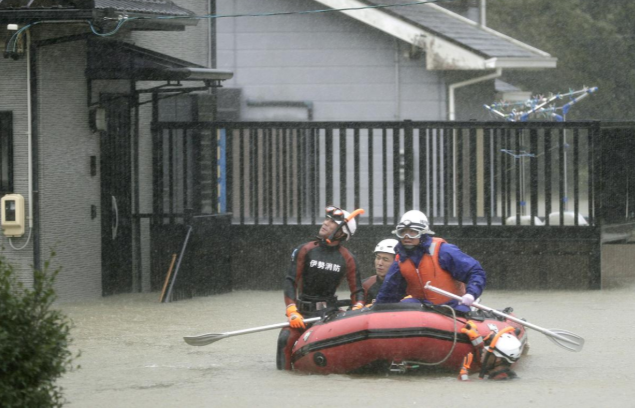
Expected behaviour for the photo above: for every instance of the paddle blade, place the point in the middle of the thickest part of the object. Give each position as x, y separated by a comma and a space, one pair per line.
204, 339
567, 340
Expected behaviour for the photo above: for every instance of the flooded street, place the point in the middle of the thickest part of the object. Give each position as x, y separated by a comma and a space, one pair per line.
133, 355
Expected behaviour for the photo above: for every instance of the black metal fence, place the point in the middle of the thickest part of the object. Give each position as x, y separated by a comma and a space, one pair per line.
534, 202
470, 173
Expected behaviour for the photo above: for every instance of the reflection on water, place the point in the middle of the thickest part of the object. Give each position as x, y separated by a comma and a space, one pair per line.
133, 355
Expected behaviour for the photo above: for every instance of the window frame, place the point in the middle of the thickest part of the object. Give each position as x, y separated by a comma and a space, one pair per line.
6, 143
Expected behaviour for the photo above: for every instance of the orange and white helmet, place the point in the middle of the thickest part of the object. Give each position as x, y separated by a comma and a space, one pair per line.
508, 347
339, 216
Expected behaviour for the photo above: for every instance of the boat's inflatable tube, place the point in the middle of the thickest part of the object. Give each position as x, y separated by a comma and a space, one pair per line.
397, 335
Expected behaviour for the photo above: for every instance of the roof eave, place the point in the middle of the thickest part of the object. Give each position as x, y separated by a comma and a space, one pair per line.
522, 63
139, 19
30, 16
442, 53
201, 74
146, 22
112, 59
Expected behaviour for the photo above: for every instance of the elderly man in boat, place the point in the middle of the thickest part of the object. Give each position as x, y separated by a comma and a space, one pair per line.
422, 258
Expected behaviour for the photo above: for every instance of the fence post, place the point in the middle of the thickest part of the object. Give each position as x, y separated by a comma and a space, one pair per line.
408, 165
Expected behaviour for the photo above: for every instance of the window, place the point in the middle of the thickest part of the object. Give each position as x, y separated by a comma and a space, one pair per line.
6, 153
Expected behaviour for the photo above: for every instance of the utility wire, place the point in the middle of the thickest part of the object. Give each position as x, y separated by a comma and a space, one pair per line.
285, 13
122, 19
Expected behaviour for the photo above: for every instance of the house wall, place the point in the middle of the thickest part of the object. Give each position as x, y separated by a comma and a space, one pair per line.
67, 190
13, 98
347, 70
66, 143
344, 69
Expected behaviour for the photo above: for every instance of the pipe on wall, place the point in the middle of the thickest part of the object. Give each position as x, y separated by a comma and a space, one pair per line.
453, 87
397, 81
29, 112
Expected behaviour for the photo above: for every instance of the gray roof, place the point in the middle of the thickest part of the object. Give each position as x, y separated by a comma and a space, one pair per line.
455, 29
162, 7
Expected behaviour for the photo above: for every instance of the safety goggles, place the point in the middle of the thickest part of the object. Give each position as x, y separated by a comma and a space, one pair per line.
334, 213
408, 232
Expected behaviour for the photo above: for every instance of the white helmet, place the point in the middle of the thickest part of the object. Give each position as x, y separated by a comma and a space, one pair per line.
339, 216
387, 246
415, 220
508, 347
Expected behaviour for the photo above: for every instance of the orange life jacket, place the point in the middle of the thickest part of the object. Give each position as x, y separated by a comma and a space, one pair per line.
429, 270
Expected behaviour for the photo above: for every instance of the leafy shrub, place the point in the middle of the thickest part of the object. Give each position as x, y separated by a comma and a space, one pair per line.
34, 341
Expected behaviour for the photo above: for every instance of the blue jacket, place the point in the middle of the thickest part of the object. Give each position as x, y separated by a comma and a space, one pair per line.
461, 266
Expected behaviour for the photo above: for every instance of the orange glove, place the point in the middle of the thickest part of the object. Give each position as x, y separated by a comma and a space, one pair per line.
472, 332
465, 370
357, 306
295, 318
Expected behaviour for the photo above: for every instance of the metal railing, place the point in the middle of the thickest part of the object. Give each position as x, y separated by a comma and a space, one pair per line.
458, 173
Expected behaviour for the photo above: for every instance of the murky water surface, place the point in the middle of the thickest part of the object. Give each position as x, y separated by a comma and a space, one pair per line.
133, 355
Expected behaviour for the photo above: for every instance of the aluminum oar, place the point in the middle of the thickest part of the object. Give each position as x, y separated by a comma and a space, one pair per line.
565, 339
205, 339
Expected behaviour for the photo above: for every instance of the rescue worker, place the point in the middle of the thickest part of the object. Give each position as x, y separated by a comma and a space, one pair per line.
422, 258
384, 257
497, 352
317, 269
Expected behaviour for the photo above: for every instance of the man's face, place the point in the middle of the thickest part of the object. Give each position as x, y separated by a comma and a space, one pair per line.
327, 228
383, 261
406, 240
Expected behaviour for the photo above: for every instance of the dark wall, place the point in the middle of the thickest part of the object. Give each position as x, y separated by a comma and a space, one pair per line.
617, 177
203, 257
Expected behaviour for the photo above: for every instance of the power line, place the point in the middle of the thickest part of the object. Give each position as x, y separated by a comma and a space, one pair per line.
122, 19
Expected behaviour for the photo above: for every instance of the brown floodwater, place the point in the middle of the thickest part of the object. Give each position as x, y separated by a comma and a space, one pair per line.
133, 355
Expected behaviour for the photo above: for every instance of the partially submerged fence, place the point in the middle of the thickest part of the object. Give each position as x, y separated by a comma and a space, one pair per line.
457, 173
532, 189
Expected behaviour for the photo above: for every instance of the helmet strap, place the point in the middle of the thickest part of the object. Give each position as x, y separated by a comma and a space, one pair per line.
338, 234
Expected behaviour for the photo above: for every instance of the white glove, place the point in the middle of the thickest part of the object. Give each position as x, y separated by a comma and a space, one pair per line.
467, 299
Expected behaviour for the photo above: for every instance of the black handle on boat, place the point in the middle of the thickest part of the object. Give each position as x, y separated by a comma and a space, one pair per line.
205, 339
563, 338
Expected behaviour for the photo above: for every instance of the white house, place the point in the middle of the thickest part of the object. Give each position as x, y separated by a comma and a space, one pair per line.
418, 62
76, 102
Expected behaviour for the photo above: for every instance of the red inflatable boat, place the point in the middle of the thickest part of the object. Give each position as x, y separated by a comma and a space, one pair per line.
395, 337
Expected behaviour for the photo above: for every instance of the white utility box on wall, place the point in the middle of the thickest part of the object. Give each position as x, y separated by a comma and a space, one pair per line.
12, 208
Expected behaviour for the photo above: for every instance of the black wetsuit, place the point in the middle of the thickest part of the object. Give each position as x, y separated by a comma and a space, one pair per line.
316, 272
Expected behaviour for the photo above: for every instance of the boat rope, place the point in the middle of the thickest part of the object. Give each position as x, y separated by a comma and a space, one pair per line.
451, 349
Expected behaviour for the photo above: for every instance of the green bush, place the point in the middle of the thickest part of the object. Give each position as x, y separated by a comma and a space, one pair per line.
34, 341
